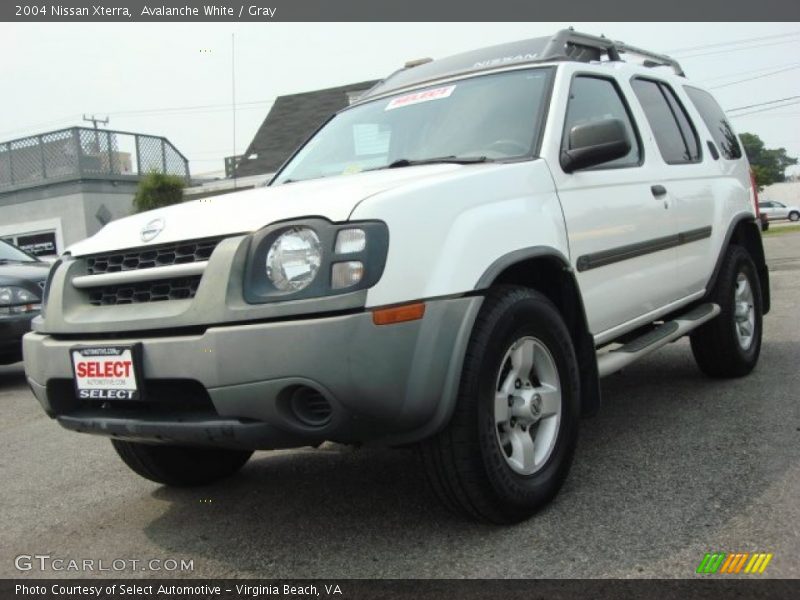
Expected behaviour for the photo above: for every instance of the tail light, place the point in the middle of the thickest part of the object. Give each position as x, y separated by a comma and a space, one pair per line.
755, 193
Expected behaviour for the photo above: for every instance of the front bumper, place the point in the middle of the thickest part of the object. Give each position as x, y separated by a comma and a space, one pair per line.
12, 328
233, 385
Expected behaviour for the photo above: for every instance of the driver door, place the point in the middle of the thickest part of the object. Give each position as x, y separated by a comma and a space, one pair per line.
614, 216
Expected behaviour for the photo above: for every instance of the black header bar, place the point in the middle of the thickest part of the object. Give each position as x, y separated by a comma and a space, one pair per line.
405, 10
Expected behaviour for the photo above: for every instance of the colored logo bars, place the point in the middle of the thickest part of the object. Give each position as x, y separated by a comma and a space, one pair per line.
734, 563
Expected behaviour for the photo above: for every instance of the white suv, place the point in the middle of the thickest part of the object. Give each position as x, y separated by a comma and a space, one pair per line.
453, 261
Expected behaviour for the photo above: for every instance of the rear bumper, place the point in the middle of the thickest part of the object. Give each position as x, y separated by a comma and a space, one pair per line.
389, 384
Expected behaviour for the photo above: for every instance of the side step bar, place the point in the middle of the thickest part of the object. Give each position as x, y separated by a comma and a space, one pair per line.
613, 361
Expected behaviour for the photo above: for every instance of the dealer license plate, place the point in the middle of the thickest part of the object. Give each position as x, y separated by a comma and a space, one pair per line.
106, 372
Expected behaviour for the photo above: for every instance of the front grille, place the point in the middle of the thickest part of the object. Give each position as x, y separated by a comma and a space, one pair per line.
146, 291
133, 259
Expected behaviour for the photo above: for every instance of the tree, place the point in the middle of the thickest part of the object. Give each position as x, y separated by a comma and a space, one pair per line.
769, 164
156, 190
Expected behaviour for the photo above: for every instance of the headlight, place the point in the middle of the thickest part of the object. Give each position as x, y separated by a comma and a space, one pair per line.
293, 259
312, 258
17, 300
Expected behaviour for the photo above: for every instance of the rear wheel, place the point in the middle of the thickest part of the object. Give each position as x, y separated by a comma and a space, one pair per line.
794, 215
510, 442
180, 466
729, 345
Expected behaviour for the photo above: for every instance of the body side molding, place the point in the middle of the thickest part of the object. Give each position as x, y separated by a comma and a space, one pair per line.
629, 251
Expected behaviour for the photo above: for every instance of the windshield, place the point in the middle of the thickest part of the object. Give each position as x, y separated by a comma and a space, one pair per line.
9, 253
491, 117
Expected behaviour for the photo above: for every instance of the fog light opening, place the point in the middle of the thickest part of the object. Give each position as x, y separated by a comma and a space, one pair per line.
309, 406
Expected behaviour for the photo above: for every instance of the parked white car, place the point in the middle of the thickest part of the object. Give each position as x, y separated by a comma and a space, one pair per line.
453, 261
777, 210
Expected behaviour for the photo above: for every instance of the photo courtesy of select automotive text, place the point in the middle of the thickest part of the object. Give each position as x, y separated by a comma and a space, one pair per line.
347, 299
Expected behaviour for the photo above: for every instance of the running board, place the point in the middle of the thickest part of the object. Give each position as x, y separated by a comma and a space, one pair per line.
613, 361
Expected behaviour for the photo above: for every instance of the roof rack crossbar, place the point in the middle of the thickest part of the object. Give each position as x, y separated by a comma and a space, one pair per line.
569, 44
656, 59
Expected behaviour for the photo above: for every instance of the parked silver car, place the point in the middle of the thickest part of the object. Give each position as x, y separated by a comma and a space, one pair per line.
778, 210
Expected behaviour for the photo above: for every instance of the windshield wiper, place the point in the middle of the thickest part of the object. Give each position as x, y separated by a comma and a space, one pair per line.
459, 160
408, 162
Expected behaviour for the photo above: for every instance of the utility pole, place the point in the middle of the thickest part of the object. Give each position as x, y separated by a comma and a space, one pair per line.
233, 103
94, 120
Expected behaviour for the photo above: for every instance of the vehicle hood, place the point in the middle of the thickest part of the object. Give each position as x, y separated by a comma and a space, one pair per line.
240, 212
15, 273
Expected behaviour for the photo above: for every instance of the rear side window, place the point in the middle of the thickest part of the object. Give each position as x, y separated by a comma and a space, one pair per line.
675, 135
594, 99
715, 120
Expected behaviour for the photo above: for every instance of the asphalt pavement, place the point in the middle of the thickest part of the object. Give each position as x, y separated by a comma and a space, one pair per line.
674, 466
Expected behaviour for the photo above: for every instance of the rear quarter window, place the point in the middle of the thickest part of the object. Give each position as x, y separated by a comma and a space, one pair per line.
675, 135
715, 120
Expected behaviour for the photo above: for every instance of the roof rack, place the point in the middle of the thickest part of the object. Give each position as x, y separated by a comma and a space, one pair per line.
565, 45
569, 44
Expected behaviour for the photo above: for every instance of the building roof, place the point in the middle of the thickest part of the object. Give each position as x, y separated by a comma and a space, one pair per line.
290, 122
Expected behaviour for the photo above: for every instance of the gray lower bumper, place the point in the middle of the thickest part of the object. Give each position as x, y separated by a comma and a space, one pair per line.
388, 384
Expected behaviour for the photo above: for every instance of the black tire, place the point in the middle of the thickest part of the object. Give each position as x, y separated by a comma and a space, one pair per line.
180, 466
715, 345
794, 215
465, 463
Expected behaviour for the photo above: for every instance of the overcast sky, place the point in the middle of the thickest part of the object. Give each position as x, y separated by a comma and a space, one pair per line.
52, 73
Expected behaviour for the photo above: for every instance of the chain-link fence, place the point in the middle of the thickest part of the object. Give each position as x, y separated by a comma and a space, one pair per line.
82, 153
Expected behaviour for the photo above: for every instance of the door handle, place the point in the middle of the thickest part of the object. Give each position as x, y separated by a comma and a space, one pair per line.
658, 190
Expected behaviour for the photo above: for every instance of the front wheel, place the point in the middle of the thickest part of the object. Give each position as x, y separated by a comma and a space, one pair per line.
180, 466
794, 215
729, 345
510, 442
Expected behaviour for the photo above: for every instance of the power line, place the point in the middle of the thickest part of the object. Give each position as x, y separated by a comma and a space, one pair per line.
40, 125
748, 72
734, 42
736, 49
199, 107
788, 114
221, 109
751, 112
148, 112
763, 103
716, 87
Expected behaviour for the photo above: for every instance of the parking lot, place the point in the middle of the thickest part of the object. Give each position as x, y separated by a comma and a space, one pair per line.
674, 466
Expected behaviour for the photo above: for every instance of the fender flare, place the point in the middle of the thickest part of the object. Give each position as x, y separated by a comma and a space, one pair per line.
582, 338
758, 257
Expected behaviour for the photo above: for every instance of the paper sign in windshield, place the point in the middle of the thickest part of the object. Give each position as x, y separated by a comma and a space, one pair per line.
418, 97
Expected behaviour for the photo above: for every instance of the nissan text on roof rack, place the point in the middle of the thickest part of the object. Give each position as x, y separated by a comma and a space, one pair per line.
453, 261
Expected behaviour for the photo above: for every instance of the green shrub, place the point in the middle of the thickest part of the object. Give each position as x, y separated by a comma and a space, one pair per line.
157, 190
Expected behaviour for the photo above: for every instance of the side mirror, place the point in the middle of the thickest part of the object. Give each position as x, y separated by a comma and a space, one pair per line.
595, 143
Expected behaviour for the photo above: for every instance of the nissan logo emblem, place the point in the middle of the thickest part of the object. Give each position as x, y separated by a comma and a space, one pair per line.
152, 229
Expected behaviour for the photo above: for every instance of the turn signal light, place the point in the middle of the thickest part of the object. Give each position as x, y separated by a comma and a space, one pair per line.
398, 314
